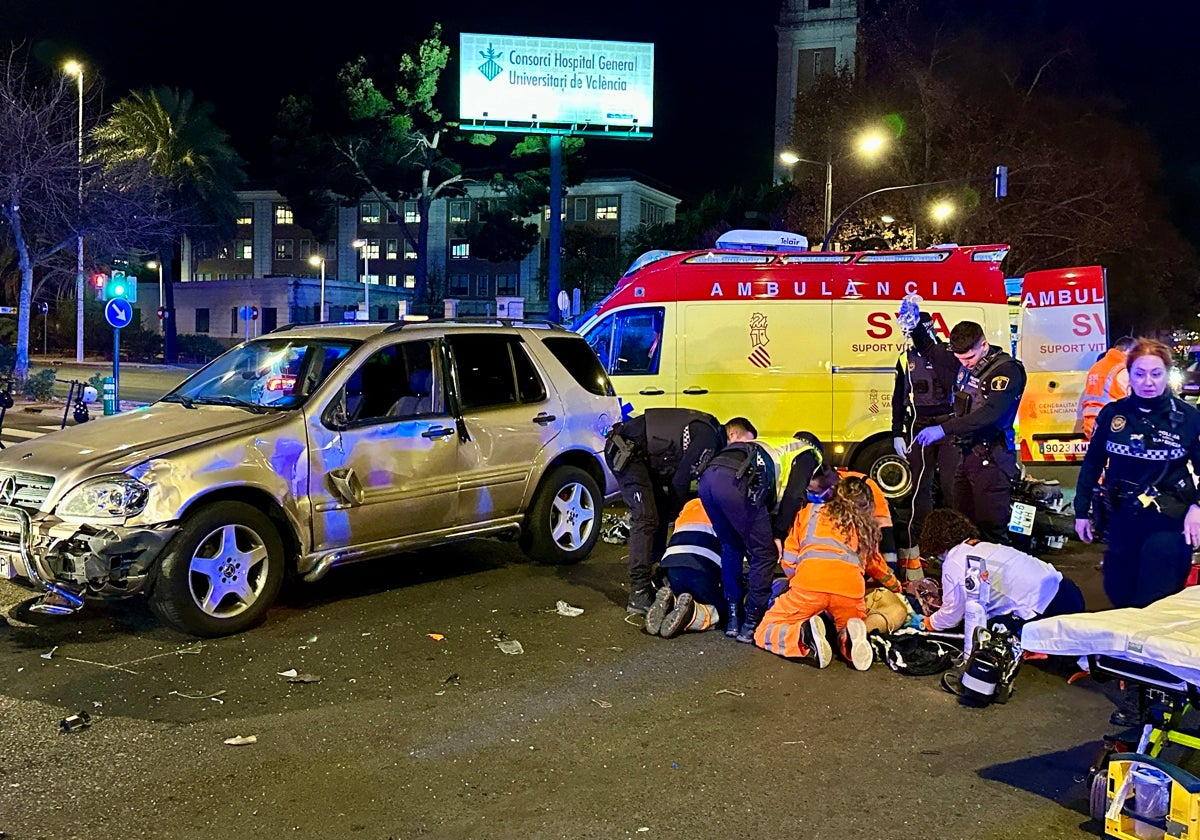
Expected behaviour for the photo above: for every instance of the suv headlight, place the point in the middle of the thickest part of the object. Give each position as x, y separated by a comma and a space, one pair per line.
111, 496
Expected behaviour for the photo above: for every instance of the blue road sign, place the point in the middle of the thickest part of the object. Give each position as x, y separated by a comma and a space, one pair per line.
118, 312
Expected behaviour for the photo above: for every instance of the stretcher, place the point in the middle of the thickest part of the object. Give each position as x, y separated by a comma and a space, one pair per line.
1155, 649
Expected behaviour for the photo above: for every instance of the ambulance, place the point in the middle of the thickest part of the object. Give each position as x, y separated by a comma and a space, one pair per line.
807, 340
790, 338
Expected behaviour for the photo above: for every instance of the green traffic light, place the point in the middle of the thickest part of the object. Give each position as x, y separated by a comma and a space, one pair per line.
119, 290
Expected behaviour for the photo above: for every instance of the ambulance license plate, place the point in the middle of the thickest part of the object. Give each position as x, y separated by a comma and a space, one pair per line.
1021, 521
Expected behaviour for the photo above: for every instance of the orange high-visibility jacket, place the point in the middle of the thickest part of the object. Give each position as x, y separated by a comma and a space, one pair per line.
819, 557
1107, 380
883, 513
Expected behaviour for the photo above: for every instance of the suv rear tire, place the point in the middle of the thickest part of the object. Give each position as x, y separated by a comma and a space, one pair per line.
229, 549
563, 523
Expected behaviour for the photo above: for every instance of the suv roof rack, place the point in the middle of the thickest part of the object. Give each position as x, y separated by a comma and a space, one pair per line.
478, 319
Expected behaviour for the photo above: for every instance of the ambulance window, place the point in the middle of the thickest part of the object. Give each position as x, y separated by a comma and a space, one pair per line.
637, 341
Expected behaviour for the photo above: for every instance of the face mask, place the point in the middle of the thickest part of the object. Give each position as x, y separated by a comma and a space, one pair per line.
817, 498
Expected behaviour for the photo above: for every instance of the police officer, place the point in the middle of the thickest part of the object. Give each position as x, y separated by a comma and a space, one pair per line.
923, 396
655, 456
738, 491
987, 394
1142, 445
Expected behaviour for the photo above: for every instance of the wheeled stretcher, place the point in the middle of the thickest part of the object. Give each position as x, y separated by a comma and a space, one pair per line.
1155, 649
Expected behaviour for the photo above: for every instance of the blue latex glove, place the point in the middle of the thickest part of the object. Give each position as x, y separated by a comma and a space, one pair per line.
930, 435
916, 622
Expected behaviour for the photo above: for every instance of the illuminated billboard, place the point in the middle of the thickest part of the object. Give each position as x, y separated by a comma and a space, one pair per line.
589, 84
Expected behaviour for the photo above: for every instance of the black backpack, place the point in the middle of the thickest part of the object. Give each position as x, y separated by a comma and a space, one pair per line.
914, 653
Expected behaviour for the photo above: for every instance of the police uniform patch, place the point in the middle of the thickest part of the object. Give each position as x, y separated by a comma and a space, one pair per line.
998, 383
1118, 423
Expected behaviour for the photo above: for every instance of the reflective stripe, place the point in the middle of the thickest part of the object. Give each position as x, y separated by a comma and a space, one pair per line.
1148, 455
697, 550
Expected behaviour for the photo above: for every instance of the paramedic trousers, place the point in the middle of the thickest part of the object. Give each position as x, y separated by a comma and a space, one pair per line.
938, 460
744, 529
646, 499
781, 629
1146, 557
983, 489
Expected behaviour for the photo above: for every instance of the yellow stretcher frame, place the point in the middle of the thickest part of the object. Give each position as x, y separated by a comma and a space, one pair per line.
1183, 814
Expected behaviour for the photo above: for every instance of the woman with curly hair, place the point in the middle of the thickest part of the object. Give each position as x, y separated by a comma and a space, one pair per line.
827, 553
1020, 587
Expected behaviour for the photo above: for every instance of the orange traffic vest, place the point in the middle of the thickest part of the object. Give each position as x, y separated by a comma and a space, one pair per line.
1105, 383
818, 558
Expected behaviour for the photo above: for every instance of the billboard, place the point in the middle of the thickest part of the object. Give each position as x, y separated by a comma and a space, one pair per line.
591, 84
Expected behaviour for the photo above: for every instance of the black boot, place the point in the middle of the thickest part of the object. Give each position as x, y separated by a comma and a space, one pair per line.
734, 622
745, 634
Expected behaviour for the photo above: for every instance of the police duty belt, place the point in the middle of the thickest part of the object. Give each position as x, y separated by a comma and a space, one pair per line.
1147, 455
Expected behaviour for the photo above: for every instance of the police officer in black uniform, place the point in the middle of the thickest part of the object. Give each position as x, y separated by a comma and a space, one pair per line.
655, 456
987, 393
923, 396
738, 491
1142, 445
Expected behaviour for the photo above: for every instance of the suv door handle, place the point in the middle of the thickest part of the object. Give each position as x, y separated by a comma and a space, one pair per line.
695, 390
652, 392
439, 432
543, 418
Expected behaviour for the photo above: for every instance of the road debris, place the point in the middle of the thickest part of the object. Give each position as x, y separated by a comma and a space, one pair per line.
304, 678
563, 608
49, 655
603, 704
75, 722
732, 691
210, 695
241, 740
290, 672
310, 640
437, 637
510, 646
453, 678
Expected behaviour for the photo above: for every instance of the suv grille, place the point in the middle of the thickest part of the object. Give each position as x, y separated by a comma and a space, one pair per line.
26, 490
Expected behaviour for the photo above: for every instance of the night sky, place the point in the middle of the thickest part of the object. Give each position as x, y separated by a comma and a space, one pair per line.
715, 70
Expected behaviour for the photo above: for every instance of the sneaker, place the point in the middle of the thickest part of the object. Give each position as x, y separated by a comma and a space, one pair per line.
813, 636
664, 599
861, 656
640, 601
679, 618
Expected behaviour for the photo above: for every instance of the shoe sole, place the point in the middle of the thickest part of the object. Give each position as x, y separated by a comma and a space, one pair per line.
678, 618
663, 601
861, 655
821, 646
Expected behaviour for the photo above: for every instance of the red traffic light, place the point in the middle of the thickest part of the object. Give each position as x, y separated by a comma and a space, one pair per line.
98, 280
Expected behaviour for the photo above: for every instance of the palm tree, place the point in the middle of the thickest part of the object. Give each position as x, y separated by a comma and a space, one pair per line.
171, 135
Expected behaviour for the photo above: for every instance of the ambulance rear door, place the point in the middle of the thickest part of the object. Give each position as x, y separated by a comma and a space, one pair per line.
1063, 332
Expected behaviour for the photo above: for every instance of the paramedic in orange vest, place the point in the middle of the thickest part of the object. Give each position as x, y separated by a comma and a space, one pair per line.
825, 557
821, 489
688, 600
1107, 380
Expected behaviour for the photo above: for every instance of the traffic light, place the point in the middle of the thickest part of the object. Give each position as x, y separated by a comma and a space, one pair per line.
120, 286
98, 281
1001, 178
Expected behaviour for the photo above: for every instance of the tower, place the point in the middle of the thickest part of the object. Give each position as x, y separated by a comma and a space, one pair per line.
815, 37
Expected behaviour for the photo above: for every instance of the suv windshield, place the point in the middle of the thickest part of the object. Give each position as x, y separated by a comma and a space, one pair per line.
276, 372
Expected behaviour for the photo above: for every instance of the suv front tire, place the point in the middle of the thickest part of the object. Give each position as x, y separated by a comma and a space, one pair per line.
563, 523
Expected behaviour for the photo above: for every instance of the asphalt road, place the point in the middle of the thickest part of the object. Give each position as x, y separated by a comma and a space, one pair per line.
596, 730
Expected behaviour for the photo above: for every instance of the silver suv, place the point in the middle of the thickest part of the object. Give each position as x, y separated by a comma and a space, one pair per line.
309, 448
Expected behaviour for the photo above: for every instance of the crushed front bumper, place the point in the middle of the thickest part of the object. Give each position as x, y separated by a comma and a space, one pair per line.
69, 560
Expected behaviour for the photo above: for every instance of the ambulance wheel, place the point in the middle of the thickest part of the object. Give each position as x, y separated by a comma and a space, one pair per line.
880, 462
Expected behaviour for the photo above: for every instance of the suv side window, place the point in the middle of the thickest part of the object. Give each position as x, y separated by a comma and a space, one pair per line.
494, 370
629, 342
394, 383
574, 354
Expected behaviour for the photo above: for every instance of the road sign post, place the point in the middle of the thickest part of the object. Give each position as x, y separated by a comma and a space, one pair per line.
119, 313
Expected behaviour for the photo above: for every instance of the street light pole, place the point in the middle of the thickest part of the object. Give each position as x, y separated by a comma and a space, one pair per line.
791, 159
313, 260
158, 264
75, 69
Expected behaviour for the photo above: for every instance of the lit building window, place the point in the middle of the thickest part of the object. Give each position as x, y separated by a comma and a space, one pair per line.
391, 279
368, 212
245, 214
392, 251
409, 253
283, 249
411, 213
460, 211
283, 215
243, 250
460, 249
372, 249
606, 208
410, 281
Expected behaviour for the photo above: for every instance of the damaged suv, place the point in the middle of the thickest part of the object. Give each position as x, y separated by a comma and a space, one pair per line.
309, 448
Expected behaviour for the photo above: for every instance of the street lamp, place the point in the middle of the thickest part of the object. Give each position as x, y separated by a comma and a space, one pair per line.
315, 260
74, 68
153, 264
941, 211
362, 246
869, 144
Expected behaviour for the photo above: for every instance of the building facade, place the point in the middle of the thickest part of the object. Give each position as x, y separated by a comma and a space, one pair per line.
816, 37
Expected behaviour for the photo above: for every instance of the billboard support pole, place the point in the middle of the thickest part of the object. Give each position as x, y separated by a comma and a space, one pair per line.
554, 281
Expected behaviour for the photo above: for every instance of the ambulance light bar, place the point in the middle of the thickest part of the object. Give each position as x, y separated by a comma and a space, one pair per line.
710, 257
995, 255
926, 257
647, 258
762, 240
840, 259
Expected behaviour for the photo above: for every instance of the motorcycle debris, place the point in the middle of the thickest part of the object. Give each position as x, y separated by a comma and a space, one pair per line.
304, 678
563, 608
510, 646
290, 672
75, 722
50, 654
241, 740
